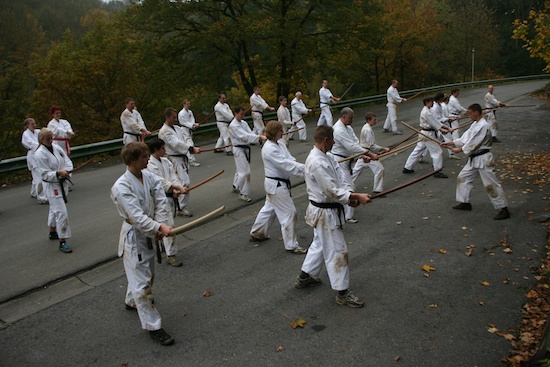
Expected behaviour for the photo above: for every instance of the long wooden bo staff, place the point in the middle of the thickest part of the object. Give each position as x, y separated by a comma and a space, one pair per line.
384, 193
418, 132
211, 149
205, 180
81, 166
197, 221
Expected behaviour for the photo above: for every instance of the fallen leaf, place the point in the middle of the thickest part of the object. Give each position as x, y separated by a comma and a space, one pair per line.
183, 314
508, 250
426, 275
425, 218
299, 322
532, 294
207, 294
470, 252
441, 251
427, 268
481, 303
484, 283
505, 281
433, 305
398, 222
397, 358
492, 330
279, 348
464, 227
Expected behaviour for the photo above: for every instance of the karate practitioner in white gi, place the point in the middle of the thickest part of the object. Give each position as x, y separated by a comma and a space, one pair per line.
242, 137
142, 203
133, 126
279, 164
429, 126
476, 143
328, 192
187, 120
224, 116
258, 105
29, 140
283, 116
368, 142
61, 129
177, 148
394, 99
162, 167
326, 98
346, 144
455, 110
54, 166
492, 102
299, 109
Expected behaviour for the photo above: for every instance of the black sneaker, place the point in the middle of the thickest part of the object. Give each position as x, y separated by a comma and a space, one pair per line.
306, 282
440, 175
63, 247
463, 206
161, 337
54, 236
129, 308
495, 140
503, 214
405, 170
349, 299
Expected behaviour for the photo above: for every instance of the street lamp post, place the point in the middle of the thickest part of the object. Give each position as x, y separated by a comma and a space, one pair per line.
473, 63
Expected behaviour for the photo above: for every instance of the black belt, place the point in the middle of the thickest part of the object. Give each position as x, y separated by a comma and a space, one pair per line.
246, 151
338, 206
225, 122
478, 153
285, 180
176, 201
260, 112
428, 129
348, 162
134, 134
185, 160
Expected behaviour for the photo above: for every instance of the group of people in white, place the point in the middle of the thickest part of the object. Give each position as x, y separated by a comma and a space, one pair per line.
154, 188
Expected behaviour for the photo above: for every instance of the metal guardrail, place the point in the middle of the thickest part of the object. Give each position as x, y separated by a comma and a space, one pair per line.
18, 163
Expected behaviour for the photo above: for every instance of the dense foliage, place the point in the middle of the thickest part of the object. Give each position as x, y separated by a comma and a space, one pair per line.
88, 56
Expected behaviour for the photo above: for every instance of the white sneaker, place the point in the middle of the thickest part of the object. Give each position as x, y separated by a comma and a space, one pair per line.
397, 132
351, 220
185, 213
453, 156
245, 198
195, 164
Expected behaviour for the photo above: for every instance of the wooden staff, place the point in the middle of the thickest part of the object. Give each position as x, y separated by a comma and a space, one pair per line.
205, 180
463, 125
293, 131
402, 141
417, 94
347, 90
211, 149
524, 105
206, 118
82, 165
418, 131
204, 218
353, 156
248, 109
397, 150
384, 193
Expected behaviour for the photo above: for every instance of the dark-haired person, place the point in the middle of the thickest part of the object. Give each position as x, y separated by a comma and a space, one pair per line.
476, 143
54, 167
224, 116
61, 129
133, 126
242, 137
393, 97
162, 167
142, 203
283, 116
328, 192
279, 164
187, 121
258, 105
429, 126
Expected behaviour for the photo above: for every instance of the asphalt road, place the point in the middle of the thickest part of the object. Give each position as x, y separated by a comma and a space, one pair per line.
418, 320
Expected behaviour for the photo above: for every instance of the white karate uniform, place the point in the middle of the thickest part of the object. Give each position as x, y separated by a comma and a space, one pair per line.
241, 134
60, 137
299, 109
29, 140
367, 141
455, 110
427, 121
325, 116
258, 105
283, 115
224, 116
143, 205
132, 123
393, 98
187, 120
345, 145
164, 169
492, 102
48, 164
325, 184
476, 138
176, 149
278, 163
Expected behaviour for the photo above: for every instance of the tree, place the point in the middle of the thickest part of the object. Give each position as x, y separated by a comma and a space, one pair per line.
534, 31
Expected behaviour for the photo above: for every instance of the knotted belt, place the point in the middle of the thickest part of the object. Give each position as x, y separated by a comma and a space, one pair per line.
246, 151
285, 180
478, 153
338, 206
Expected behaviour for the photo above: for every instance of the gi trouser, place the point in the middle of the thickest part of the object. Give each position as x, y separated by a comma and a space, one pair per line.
139, 265
377, 169
329, 246
242, 174
325, 116
224, 138
181, 171
259, 126
346, 168
281, 205
391, 118
169, 242
423, 143
58, 216
483, 166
